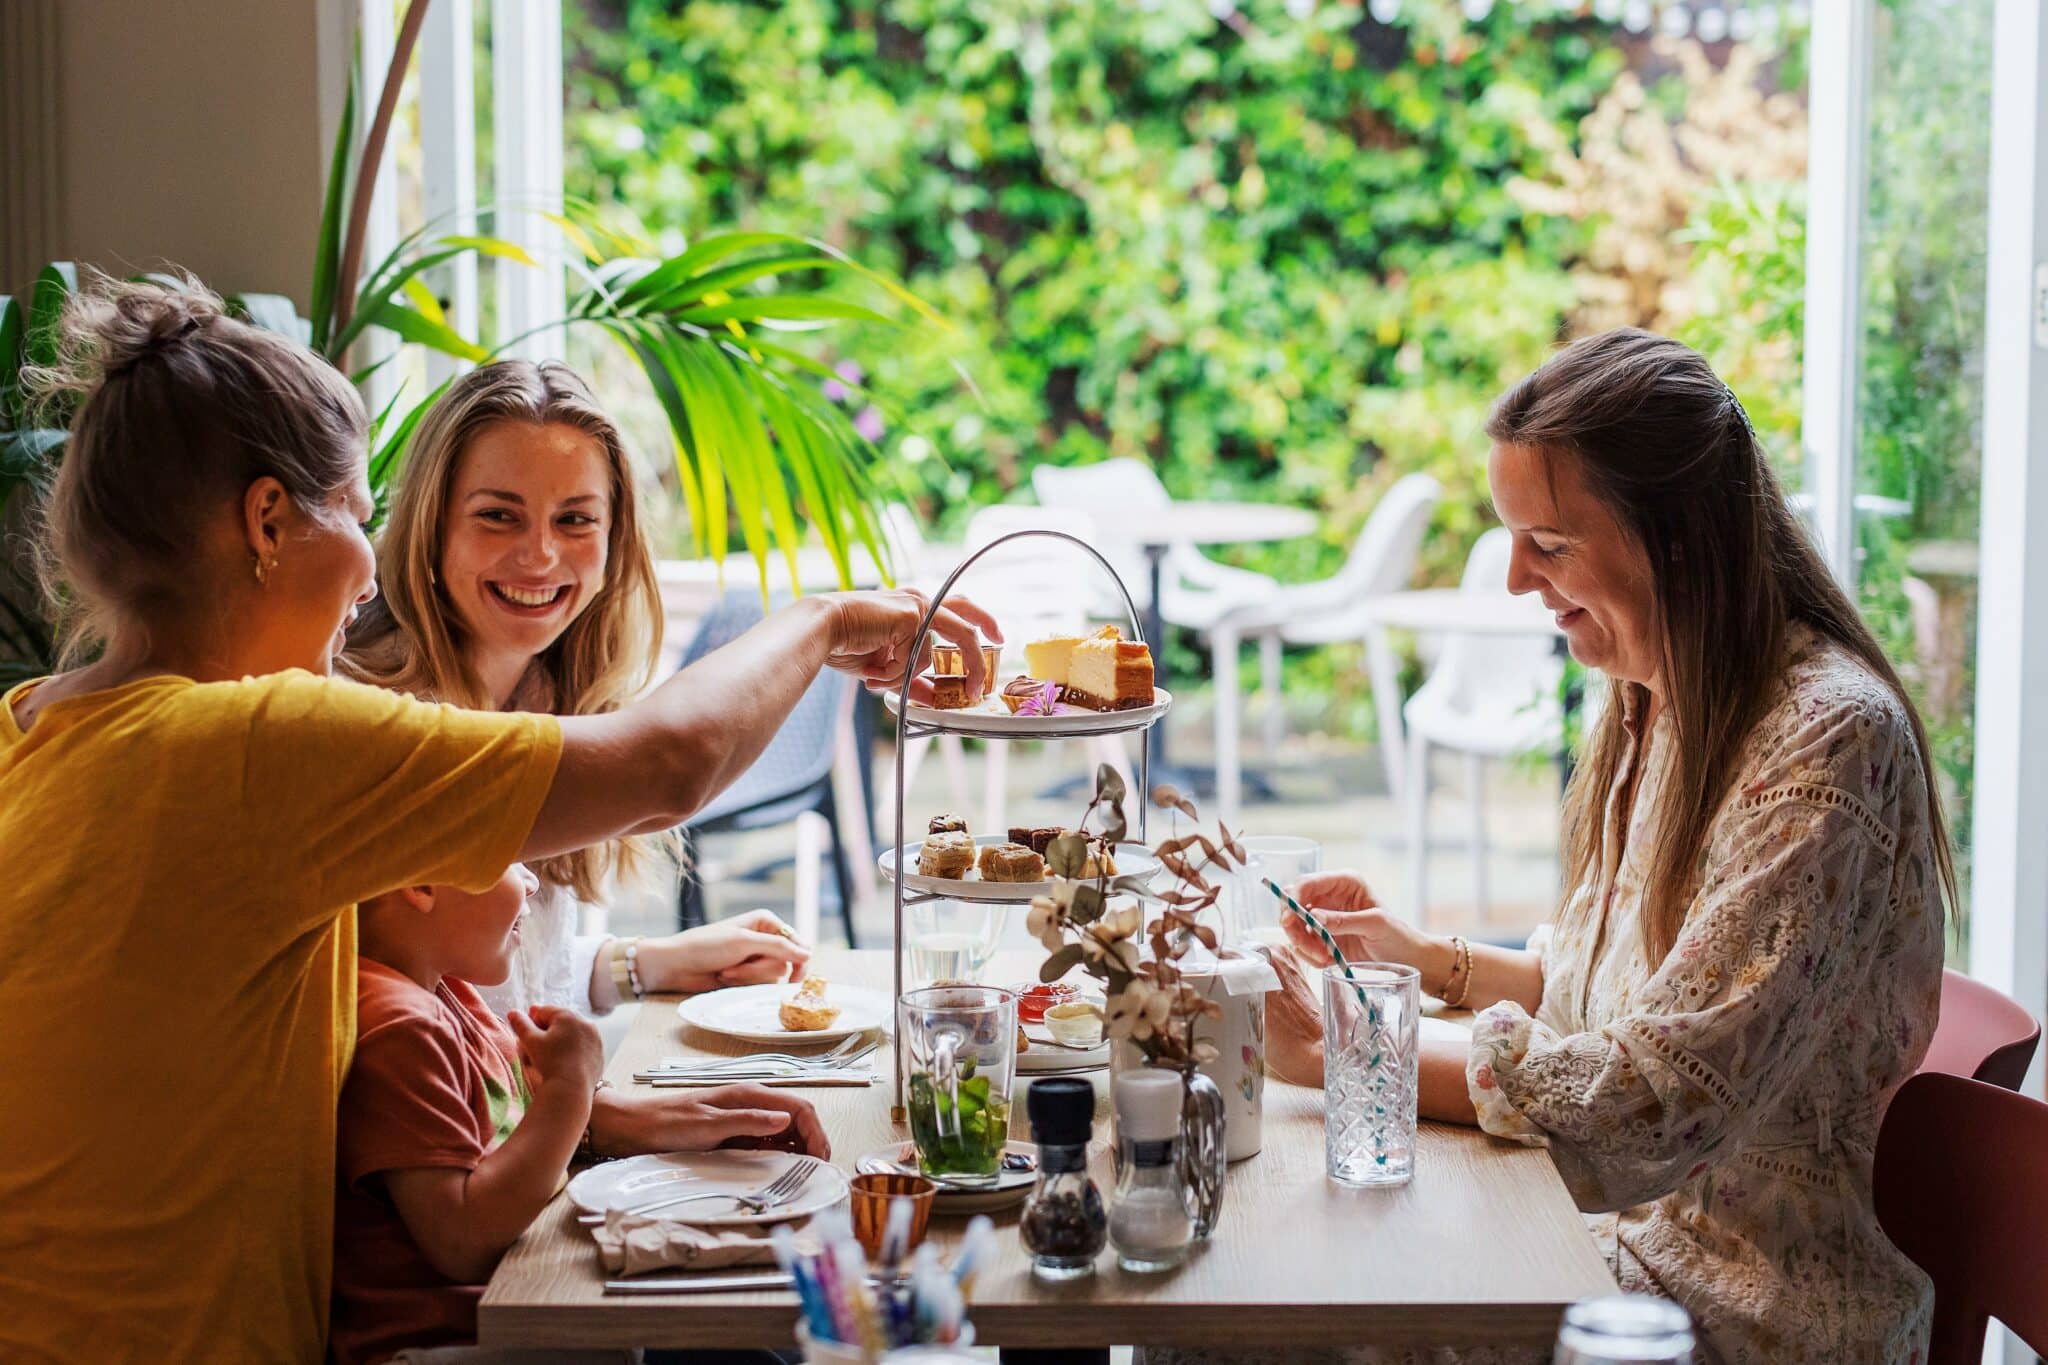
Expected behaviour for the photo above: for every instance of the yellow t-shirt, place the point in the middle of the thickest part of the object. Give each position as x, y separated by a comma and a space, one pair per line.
179, 866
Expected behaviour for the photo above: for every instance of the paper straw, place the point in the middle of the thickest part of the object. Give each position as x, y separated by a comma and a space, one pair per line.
1329, 940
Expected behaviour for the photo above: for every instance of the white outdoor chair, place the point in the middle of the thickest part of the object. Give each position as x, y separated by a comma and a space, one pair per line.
1194, 589
1382, 560
1489, 696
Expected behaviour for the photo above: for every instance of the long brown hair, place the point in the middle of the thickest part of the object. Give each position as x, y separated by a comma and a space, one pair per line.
179, 408
1667, 447
411, 638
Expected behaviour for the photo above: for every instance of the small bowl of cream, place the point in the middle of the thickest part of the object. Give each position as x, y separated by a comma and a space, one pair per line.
1075, 1023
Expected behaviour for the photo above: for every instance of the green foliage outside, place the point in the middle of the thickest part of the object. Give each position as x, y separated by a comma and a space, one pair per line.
1287, 258
1285, 266
1921, 399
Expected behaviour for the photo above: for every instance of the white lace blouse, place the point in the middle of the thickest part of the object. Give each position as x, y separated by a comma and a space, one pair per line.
552, 966
1719, 1112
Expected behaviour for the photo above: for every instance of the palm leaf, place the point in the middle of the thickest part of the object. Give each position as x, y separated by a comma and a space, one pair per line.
771, 309
412, 325
673, 271
646, 348
57, 283
397, 270
327, 254
731, 277
391, 445
11, 327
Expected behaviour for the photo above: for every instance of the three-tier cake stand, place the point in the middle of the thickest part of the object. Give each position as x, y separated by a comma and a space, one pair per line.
917, 722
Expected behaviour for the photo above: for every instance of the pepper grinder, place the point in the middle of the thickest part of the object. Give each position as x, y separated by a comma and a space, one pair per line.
1064, 1226
1150, 1220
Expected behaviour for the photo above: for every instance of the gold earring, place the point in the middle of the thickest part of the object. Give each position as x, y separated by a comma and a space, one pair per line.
262, 574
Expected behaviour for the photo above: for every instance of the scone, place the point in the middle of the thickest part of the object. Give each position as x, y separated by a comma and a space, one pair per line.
948, 855
1012, 862
1099, 863
807, 1011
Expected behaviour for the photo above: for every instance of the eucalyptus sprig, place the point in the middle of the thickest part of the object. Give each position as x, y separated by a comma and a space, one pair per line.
1147, 1000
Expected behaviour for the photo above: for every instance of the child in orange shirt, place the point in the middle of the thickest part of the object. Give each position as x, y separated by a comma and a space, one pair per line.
455, 1130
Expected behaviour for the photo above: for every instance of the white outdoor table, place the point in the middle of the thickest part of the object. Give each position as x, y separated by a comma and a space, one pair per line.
1156, 530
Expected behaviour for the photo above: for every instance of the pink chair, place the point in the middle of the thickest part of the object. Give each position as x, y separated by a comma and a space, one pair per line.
1983, 1034
1961, 1179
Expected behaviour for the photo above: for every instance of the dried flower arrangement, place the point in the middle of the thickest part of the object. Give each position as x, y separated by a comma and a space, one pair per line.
1147, 1002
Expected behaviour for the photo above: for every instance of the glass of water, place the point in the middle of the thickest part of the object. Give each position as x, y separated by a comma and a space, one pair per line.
952, 940
1625, 1329
1285, 858
1370, 1031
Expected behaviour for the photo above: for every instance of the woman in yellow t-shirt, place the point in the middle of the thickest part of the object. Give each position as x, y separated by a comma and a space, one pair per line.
188, 820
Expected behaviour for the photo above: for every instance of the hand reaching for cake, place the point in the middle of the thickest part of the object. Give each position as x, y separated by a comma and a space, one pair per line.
874, 631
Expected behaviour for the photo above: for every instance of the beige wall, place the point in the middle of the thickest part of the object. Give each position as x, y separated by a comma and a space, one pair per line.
187, 131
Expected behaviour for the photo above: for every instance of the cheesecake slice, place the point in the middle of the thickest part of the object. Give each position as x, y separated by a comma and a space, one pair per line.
1108, 673
1047, 660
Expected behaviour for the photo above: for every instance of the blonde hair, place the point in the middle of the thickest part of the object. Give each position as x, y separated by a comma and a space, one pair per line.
1668, 448
410, 639
178, 409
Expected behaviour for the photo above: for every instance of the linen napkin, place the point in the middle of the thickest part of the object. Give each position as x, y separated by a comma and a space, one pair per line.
628, 1244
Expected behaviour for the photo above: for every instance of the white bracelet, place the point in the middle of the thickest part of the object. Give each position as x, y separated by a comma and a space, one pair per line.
633, 968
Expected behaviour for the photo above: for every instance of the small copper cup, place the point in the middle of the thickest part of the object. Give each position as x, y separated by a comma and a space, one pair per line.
872, 1196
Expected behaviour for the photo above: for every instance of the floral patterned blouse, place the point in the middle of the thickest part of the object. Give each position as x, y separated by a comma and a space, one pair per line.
1719, 1112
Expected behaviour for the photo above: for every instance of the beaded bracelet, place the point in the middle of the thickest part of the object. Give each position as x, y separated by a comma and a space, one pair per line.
615, 967
1461, 972
633, 968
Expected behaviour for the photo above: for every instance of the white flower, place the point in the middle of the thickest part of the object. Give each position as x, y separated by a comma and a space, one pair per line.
1098, 950
1138, 1011
1046, 922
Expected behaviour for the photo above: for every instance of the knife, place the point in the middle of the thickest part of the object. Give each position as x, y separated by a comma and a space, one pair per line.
700, 1285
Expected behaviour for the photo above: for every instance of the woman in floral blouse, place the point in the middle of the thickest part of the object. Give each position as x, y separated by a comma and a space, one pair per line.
1747, 962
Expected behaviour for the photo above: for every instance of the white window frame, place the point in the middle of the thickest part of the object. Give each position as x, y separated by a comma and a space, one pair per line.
526, 112
2009, 907
527, 84
1837, 185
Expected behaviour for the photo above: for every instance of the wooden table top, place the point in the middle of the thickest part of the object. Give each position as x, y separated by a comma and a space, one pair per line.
1483, 1245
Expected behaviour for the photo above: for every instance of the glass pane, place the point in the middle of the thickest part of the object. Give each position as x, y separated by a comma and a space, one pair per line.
1921, 399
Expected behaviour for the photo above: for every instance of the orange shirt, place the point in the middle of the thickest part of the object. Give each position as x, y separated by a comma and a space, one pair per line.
179, 865
436, 1082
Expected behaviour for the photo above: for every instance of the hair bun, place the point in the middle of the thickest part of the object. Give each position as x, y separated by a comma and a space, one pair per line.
145, 322
110, 327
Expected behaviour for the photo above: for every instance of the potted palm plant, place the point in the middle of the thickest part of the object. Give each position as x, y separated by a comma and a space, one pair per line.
758, 445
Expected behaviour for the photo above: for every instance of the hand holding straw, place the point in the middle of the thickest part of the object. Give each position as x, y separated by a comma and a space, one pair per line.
1329, 939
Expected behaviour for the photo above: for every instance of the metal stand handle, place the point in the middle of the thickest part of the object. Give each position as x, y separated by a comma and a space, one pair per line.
908, 729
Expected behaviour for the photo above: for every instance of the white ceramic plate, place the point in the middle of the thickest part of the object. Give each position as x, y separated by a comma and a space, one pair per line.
751, 1013
1011, 1187
991, 717
643, 1180
1042, 1058
1135, 867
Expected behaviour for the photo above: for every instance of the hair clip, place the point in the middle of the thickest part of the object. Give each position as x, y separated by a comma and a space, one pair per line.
1741, 412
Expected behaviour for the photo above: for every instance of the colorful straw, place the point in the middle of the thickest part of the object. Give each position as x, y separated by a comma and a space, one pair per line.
1329, 940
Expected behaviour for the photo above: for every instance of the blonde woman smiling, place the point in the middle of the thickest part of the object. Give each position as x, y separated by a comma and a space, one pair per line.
514, 575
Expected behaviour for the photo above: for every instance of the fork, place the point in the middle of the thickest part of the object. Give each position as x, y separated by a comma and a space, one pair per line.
839, 1059
776, 1192
845, 1046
